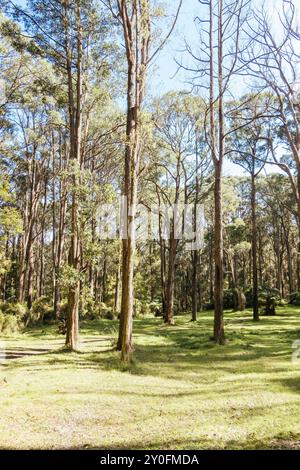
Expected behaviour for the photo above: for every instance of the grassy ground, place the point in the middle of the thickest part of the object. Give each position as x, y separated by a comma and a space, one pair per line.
180, 392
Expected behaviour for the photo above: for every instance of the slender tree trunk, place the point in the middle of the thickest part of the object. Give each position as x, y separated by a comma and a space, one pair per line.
128, 243
125, 334
104, 278
118, 279
117, 289
254, 249
195, 252
135, 19
289, 258
260, 259
30, 271
22, 270
76, 128
298, 212
162, 247
42, 256
195, 259
211, 271
219, 334
217, 156
169, 316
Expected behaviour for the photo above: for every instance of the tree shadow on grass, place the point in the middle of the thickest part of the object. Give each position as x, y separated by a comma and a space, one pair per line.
173, 360
293, 383
277, 442
183, 348
16, 353
282, 441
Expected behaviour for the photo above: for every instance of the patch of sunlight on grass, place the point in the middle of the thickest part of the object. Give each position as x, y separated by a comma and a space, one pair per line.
181, 391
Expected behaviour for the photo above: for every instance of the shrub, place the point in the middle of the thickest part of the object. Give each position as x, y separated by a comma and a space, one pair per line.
41, 310
208, 306
232, 299
9, 323
249, 296
102, 310
63, 309
15, 308
140, 308
17, 313
88, 308
294, 298
266, 292
62, 317
109, 315
155, 308
228, 298
269, 298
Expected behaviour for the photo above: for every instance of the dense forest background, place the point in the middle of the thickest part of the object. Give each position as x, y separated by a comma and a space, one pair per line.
79, 129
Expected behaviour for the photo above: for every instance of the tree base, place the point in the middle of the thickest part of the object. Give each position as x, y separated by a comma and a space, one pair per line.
220, 341
126, 355
68, 348
170, 322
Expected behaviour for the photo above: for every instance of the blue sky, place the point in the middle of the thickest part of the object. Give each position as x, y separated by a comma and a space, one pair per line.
164, 79
164, 76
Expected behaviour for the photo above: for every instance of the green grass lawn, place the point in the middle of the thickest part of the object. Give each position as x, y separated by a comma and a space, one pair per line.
180, 392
